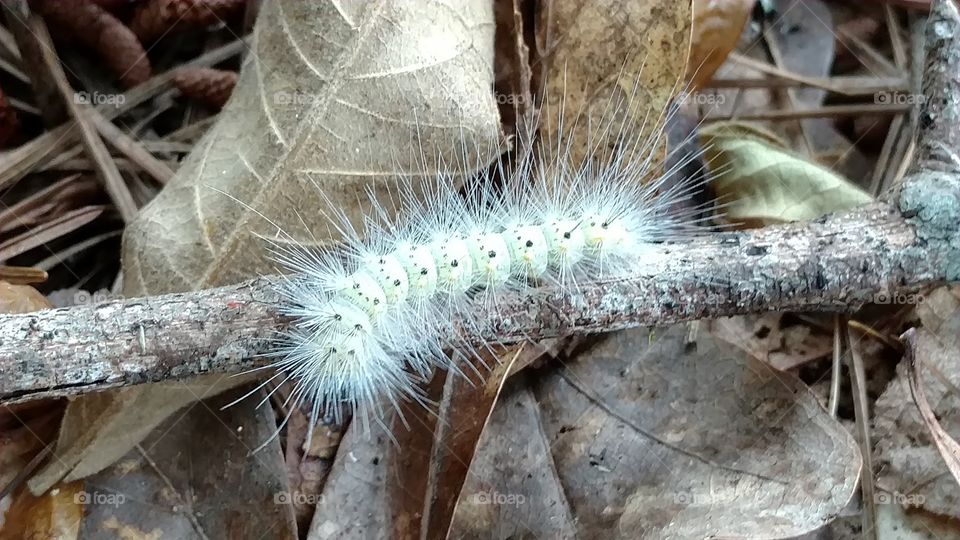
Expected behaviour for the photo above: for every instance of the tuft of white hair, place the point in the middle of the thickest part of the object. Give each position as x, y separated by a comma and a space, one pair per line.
372, 318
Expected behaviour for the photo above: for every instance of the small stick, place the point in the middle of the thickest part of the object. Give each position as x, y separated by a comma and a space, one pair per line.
80, 113
838, 262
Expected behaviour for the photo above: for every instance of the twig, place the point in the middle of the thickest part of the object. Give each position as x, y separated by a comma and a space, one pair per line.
948, 448
835, 263
44, 88
130, 148
80, 113
27, 157
19, 275
839, 324
851, 86
826, 111
861, 411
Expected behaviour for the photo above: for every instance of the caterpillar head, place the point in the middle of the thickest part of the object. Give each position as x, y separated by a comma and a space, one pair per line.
565, 240
603, 231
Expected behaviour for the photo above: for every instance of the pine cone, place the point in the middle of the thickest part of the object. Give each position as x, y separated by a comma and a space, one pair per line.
9, 126
96, 28
209, 86
115, 5
154, 18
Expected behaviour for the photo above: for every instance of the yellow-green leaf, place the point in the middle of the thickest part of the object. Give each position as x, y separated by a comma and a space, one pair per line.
761, 182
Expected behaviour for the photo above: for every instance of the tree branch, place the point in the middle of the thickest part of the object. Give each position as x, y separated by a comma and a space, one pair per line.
882, 252
838, 262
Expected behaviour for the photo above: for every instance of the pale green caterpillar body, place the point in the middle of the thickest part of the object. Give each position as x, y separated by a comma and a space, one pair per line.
373, 318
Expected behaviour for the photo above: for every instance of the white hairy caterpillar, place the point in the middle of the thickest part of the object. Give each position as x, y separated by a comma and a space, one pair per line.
373, 318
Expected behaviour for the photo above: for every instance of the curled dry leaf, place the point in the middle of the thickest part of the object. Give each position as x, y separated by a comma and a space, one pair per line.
716, 30
99, 30
744, 450
51, 515
20, 299
911, 469
312, 122
947, 446
24, 433
760, 182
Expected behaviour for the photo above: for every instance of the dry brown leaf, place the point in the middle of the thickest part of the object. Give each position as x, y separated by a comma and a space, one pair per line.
183, 482
308, 468
21, 299
420, 475
555, 463
26, 431
947, 446
759, 181
911, 471
513, 77
770, 463
437, 460
716, 30
513, 487
57, 514
304, 120
767, 339
605, 59
337, 114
